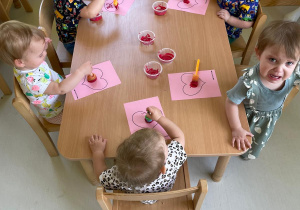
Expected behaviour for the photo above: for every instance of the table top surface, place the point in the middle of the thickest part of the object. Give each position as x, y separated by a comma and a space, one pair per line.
114, 38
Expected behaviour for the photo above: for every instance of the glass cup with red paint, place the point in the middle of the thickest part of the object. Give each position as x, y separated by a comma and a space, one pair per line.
98, 17
152, 69
160, 7
146, 37
166, 55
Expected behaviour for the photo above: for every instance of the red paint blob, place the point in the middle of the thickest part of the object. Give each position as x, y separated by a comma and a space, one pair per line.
186, 1
166, 56
117, 6
160, 7
146, 38
194, 84
91, 78
152, 71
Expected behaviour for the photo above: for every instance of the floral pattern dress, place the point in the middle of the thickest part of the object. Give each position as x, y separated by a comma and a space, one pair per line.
263, 106
34, 82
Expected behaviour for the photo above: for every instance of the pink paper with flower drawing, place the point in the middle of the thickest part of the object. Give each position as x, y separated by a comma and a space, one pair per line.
123, 7
136, 111
194, 6
207, 85
106, 78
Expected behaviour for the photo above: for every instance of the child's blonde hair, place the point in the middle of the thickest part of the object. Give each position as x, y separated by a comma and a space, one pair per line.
15, 39
141, 157
283, 34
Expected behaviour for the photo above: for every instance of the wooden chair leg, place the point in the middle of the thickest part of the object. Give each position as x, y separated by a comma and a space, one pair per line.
4, 87
220, 168
102, 200
3, 14
26, 5
87, 166
37, 127
17, 4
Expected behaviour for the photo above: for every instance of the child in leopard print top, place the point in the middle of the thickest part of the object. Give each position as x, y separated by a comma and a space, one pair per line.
144, 162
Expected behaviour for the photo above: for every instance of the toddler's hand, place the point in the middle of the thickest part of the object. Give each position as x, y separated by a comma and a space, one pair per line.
86, 68
97, 143
239, 136
223, 14
153, 113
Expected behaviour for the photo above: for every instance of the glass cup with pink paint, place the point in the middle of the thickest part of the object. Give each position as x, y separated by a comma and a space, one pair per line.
146, 37
98, 17
160, 8
152, 69
166, 55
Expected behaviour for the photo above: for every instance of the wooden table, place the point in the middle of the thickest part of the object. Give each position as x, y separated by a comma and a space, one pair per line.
114, 38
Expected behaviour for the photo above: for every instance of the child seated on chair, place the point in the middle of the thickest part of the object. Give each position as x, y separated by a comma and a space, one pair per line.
144, 162
238, 14
24, 47
264, 87
67, 16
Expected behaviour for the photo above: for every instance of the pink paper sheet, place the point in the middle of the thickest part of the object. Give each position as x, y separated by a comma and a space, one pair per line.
106, 78
124, 6
207, 85
136, 111
195, 6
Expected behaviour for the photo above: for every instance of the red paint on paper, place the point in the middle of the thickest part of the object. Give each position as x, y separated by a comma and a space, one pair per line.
194, 84
186, 1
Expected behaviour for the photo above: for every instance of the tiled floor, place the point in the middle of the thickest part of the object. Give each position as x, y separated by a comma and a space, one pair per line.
30, 179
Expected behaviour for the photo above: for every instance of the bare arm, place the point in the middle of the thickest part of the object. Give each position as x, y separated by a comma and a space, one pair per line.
92, 9
239, 135
170, 127
70, 82
233, 21
97, 145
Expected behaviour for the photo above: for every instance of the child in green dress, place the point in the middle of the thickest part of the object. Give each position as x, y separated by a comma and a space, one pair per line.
264, 87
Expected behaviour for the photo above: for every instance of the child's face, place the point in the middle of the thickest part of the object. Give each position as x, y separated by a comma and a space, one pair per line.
35, 55
275, 66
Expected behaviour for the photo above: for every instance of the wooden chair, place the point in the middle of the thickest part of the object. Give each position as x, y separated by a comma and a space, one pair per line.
240, 48
40, 126
290, 97
59, 58
5, 6
266, 3
4, 87
179, 198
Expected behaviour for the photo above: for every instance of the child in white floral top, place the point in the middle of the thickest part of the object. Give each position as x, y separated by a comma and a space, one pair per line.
24, 47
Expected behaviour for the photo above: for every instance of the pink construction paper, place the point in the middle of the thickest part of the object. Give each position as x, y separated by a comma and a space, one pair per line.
195, 6
208, 86
106, 78
124, 6
136, 111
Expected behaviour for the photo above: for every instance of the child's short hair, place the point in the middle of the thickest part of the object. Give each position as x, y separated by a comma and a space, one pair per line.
141, 157
281, 33
15, 38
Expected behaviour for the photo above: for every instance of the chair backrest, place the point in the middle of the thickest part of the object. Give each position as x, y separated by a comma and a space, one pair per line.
40, 126
5, 6
179, 198
59, 58
266, 3
245, 50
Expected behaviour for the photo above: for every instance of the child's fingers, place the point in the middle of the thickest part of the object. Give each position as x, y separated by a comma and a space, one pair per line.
248, 143
238, 142
243, 145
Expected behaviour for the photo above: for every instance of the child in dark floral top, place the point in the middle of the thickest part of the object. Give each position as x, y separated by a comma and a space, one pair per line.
67, 15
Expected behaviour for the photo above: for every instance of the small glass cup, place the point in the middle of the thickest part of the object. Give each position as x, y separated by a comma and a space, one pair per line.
98, 17
160, 8
146, 37
166, 55
152, 69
